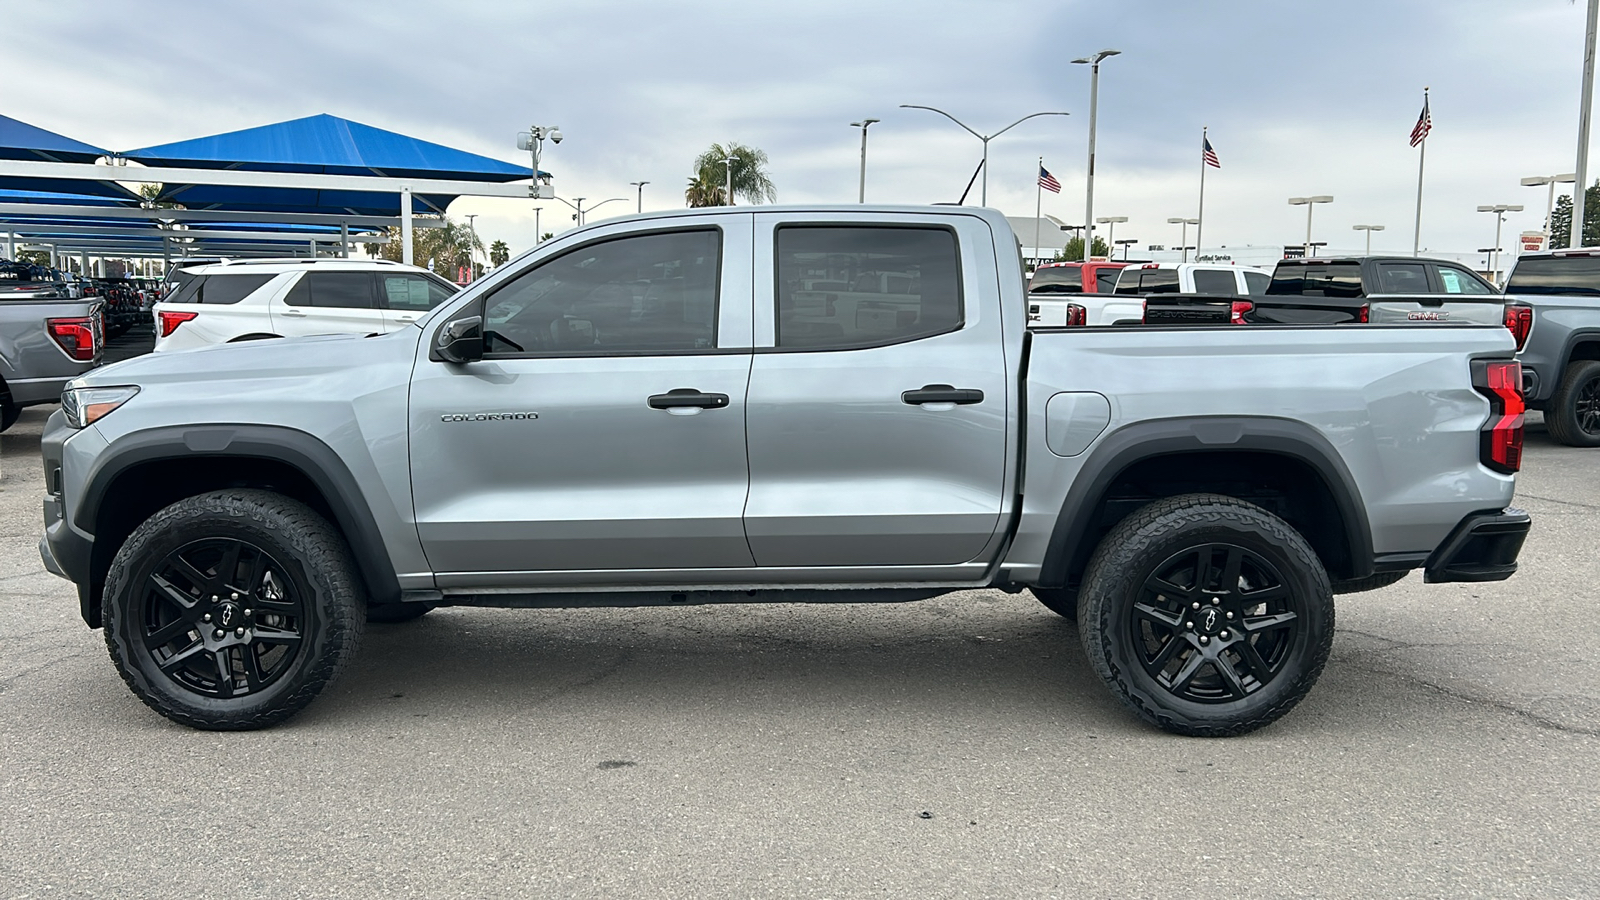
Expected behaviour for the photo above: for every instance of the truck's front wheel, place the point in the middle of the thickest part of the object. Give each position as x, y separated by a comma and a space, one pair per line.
1207, 615
232, 610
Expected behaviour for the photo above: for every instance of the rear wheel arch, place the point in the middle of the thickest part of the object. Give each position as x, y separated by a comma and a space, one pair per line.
1285, 466
144, 472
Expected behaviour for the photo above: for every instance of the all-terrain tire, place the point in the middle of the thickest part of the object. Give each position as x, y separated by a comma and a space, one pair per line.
1061, 601
295, 562
1370, 583
1119, 585
1562, 416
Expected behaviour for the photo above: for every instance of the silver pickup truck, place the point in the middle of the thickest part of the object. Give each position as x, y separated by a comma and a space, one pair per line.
778, 405
46, 339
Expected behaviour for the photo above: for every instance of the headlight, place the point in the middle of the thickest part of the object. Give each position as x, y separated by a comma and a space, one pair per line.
85, 406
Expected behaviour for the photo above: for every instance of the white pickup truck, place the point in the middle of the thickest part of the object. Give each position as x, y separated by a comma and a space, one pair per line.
1125, 303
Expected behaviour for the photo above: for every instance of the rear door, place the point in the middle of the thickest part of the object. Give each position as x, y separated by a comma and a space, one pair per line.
877, 419
329, 302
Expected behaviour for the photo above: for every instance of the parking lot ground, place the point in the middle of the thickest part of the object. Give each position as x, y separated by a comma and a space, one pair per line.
954, 747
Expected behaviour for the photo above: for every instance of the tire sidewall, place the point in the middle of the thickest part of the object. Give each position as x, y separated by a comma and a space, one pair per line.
1113, 586
199, 519
1562, 414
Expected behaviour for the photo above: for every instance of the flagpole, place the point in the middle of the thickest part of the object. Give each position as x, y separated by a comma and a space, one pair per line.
1038, 201
1200, 220
1422, 158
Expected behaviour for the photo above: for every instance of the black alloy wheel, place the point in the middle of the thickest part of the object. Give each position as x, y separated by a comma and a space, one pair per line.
1214, 623
232, 610
220, 618
1206, 615
1572, 415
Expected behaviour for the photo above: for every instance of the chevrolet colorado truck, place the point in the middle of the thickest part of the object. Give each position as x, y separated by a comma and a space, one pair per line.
664, 409
46, 339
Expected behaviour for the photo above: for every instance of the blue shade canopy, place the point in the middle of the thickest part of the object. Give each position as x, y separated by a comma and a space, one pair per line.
320, 144
19, 140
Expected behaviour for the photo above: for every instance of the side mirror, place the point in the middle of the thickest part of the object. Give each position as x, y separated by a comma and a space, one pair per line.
461, 341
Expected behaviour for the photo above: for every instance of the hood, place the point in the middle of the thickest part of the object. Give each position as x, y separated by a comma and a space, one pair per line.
257, 361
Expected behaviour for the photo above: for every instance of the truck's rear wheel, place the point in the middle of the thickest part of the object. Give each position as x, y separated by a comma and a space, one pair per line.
9, 413
1573, 413
1207, 615
232, 610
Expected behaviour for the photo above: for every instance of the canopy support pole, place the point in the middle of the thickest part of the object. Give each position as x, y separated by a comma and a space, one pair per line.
405, 226
344, 241
11, 245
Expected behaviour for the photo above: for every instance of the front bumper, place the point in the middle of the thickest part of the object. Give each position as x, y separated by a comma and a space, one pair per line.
1483, 547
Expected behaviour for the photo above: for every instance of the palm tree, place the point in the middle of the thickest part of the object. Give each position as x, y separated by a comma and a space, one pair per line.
446, 247
708, 187
499, 253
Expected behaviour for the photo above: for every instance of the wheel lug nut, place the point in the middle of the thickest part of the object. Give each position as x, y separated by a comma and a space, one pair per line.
1230, 615
206, 617
1204, 639
1223, 635
251, 612
215, 598
235, 595
1189, 625
219, 634
1216, 601
1195, 605
238, 632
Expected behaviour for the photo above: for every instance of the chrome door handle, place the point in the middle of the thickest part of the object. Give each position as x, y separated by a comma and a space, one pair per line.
405, 318
299, 314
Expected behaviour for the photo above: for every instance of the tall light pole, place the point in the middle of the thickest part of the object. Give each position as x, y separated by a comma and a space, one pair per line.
1582, 173
1093, 61
1369, 229
582, 213
1499, 210
986, 138
1184, 243
472, 244
864, 124
728, 164
1310, 203
538, 234
1111, 233
1550, 202
640, 185
1125, 243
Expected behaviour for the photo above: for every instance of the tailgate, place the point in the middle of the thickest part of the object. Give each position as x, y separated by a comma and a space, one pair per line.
1423, 309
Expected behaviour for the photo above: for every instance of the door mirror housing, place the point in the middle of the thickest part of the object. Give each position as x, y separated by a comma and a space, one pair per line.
461, 341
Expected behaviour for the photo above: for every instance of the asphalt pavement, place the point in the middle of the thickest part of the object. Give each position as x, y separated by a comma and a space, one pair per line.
954, 747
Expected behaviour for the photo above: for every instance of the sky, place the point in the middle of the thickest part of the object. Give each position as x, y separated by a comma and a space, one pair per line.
1301, 97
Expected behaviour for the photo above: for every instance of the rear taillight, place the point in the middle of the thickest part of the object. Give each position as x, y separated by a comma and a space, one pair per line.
1364, 314
1076, 315
171, 320
78, 336
1500, 447
1519, 320
1240, 307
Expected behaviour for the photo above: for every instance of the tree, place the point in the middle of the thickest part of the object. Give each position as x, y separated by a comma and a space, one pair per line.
442, 249
708, 185
1074, 249
499, 253
1561, 219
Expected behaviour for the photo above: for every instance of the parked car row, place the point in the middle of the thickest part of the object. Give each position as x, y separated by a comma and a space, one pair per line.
780, 404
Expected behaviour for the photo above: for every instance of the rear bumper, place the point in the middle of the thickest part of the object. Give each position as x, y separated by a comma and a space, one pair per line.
1483, 547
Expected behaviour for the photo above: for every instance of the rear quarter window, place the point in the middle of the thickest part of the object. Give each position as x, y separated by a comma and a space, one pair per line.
1316, 280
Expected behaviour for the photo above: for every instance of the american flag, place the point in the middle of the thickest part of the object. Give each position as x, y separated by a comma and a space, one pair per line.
1208, 154
1424, 124
1048, 181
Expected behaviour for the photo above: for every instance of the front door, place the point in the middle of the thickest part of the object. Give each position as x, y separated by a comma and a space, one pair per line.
604, 429
879, 393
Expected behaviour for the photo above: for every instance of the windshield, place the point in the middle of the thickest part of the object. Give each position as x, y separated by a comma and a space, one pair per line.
1556, 275
1056, 280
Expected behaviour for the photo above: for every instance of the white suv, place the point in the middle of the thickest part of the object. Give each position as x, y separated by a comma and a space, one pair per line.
256, 299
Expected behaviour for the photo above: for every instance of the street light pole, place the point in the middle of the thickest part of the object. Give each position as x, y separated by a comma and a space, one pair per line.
1369, 229
864, 124
640, 185
984, 195
1183, 244
1550, 201
1093, 61
1499, 210
1310, 203
728, 163
1111, 233
538, 234
1582, 172
472, 243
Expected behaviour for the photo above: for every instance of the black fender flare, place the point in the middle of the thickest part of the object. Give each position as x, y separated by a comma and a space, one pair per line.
1141, 441
297, 449
1578, 336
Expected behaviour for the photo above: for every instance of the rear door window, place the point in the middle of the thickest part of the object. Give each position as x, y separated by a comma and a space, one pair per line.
1257, 282
1460, 281
1403, 278
1056, 280
1212, 281
412, 292
333, 290
905, 284
230, 288
1148, 281
1105, 280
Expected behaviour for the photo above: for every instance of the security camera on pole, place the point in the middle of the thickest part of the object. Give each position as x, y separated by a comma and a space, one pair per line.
532, 141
